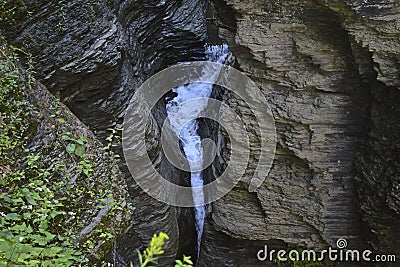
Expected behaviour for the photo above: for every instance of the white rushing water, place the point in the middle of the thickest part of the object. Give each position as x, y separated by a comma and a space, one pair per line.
189, 137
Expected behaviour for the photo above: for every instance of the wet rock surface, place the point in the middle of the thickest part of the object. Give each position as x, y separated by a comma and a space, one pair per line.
94, 54
87, 184
105, 179
327, 70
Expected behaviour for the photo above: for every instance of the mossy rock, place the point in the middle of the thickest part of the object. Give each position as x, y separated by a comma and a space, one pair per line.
45, 147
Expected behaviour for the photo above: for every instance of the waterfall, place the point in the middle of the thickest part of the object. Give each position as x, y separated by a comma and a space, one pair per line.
189, 137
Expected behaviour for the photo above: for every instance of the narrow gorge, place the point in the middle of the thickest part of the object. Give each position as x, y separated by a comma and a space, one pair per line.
189, 133
328, 69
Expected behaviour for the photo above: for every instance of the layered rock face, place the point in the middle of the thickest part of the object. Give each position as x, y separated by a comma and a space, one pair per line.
94, 54
93, 195
329, 71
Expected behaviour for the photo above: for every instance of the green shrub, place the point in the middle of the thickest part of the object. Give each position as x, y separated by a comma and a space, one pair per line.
186, 262
29, 210
151, 253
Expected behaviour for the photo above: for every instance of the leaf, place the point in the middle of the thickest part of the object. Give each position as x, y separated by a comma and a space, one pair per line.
31, 201
41, 241
140, 257
82, 140
27, 215
79, 142
49, 236
86, 171
71, 148
153, 260
33, 263
5, 245
19, 227
54, 213
52, 251
80, 150
65, 137
29, 229
187, 260
13, 216
7, 199
163, 236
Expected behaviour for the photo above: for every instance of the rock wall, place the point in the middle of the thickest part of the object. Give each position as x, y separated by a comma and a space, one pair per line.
329, 70
88, 187
94, 54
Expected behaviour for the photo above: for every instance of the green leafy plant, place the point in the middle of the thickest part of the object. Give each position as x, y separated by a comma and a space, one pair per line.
51, 190
151, 253
186, 262
85, 166
29, 209
154, 249
113, 141
6, 11
76, 145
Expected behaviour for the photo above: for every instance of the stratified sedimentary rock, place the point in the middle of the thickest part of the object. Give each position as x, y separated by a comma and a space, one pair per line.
330, 72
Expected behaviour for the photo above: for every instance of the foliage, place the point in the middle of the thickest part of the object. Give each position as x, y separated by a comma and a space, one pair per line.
50, 189
186, 262
114, 139
153, 250
29, 209
8, 10
5, 12
77, 145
